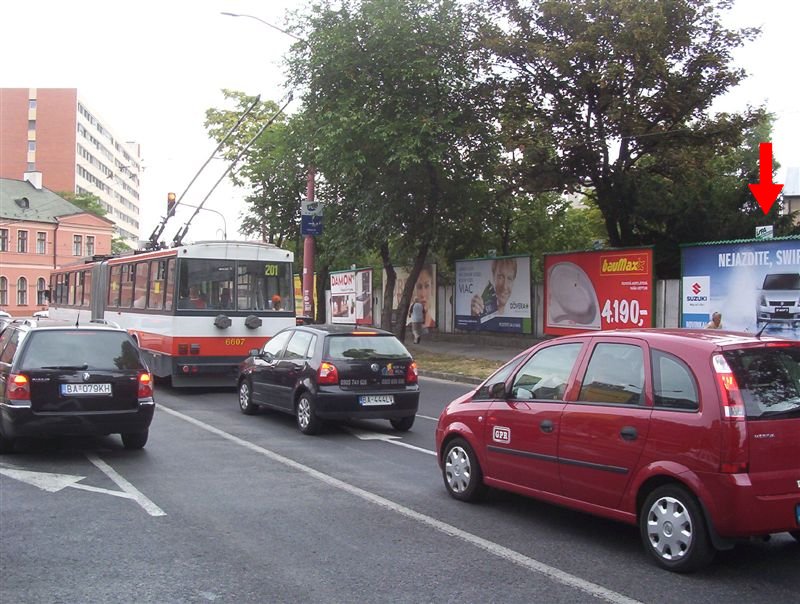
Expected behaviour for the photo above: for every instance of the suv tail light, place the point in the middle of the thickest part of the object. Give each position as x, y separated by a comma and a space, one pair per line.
19, 387
734, 427
412, 373
145, 385
327, 374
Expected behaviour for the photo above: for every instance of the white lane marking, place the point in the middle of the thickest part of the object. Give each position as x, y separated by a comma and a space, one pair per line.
53, 483
148, 506
435, 419
560, 576
388, 438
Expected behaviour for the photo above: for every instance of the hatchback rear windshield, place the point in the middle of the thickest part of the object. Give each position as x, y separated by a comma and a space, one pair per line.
365, 347
769, 379
80, 349
782, 281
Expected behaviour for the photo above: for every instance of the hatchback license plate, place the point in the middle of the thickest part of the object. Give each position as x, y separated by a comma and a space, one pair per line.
383, 399
782, 310
86, 389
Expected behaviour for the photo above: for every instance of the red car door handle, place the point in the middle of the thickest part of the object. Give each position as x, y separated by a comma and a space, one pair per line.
629, 433
546, 426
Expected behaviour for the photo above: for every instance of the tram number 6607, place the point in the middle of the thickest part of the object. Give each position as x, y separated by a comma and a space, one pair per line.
234, 341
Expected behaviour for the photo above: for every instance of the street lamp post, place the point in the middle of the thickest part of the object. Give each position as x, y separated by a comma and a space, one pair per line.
220, 214
309, 244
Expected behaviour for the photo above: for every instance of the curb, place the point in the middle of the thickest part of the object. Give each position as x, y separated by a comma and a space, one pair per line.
452, 377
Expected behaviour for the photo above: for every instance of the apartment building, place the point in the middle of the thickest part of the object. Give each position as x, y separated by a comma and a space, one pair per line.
40, 231
53, 131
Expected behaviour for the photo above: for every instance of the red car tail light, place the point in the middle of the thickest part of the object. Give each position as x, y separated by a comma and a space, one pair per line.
19, 387
412, 373
327, 374
734, 458
145, 385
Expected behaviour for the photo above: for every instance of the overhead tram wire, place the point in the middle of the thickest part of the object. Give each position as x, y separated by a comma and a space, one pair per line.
153, 243
178, 239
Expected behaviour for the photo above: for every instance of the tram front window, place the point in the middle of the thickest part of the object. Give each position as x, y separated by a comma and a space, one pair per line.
229, 285
264, 286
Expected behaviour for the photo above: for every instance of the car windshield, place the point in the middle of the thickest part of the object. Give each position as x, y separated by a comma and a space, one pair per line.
769, 379
366, 347
782, 281
80, 349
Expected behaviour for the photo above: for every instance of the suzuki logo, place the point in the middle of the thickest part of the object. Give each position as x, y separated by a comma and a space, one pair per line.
696, 288
86, 377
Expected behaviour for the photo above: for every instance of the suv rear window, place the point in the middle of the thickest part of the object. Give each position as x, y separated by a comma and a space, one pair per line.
769, 379
365, 347
79, 348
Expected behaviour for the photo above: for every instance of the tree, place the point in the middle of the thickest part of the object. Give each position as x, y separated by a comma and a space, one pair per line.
615, 86
399, 134
91, 203
272, 167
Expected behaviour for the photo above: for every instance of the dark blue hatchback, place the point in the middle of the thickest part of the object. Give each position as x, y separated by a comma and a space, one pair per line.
332, 372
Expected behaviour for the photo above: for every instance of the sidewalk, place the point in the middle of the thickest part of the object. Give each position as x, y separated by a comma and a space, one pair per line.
490, 347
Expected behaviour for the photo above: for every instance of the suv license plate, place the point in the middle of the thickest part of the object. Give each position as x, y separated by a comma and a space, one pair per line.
86, 389
368, 401
782, 310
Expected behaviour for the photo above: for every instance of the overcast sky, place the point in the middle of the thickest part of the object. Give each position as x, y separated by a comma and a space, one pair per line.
151, 68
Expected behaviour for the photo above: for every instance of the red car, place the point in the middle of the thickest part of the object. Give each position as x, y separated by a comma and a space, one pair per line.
694, 436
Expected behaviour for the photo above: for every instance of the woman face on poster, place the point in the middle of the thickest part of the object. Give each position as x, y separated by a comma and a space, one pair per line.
423, 290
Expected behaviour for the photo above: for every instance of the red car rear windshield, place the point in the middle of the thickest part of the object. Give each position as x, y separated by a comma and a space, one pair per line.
365, 347
769, 379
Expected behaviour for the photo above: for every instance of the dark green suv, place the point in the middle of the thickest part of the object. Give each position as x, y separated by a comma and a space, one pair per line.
61, 379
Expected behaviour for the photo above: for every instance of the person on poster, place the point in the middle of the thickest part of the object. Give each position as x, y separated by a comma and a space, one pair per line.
715, 322
498, 291
423, 290
417, 314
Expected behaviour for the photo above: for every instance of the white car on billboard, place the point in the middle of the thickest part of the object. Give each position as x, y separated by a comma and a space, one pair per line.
779, 300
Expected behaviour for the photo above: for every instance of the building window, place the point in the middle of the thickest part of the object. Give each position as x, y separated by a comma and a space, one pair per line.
41, 291
31, 145
3, 291
22, 242
32, 104
31, 125
90, 245
41, 243
77, 245
31, 167
3, 240
22, 291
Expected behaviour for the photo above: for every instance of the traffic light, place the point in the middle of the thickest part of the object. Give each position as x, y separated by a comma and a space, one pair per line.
170, 204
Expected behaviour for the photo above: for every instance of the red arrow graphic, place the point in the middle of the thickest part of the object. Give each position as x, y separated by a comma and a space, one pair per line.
765, 191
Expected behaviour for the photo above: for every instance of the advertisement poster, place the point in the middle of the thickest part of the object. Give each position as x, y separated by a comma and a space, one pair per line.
351, 297
606, 289
298, 294
424, 289
494, 294
753, 284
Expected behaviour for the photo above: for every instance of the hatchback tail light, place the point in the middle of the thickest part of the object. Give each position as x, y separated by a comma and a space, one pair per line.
734, 456
412, 373
19, 387
327, 374
145, 385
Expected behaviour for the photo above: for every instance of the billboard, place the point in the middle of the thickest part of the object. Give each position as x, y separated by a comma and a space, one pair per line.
298, 294
494, 294
604, 289
754, 284
424, 289
351, 297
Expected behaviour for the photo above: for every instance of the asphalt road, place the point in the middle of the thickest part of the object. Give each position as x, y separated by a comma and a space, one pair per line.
221, 507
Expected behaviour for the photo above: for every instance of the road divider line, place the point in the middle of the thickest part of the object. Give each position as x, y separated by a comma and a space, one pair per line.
557, 575
148, 506
435, 419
